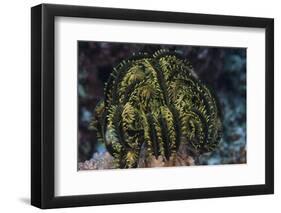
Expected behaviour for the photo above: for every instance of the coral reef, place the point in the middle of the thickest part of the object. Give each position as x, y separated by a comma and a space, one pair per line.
104, 160
99, 161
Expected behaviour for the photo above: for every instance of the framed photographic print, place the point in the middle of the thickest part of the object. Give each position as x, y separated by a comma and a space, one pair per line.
139, 106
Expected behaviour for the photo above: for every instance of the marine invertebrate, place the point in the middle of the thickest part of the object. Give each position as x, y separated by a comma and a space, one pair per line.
156, 103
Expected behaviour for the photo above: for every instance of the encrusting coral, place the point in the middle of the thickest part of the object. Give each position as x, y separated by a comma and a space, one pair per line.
156, 110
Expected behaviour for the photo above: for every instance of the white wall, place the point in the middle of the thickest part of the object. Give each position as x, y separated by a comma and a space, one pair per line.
15, 105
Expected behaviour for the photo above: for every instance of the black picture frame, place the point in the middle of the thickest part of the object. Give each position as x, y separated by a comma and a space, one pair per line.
43, 102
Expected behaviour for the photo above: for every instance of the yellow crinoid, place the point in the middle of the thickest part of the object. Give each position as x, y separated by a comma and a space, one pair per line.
155, 102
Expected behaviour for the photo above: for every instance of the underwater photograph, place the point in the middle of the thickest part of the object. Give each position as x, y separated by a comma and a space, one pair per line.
160, 105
